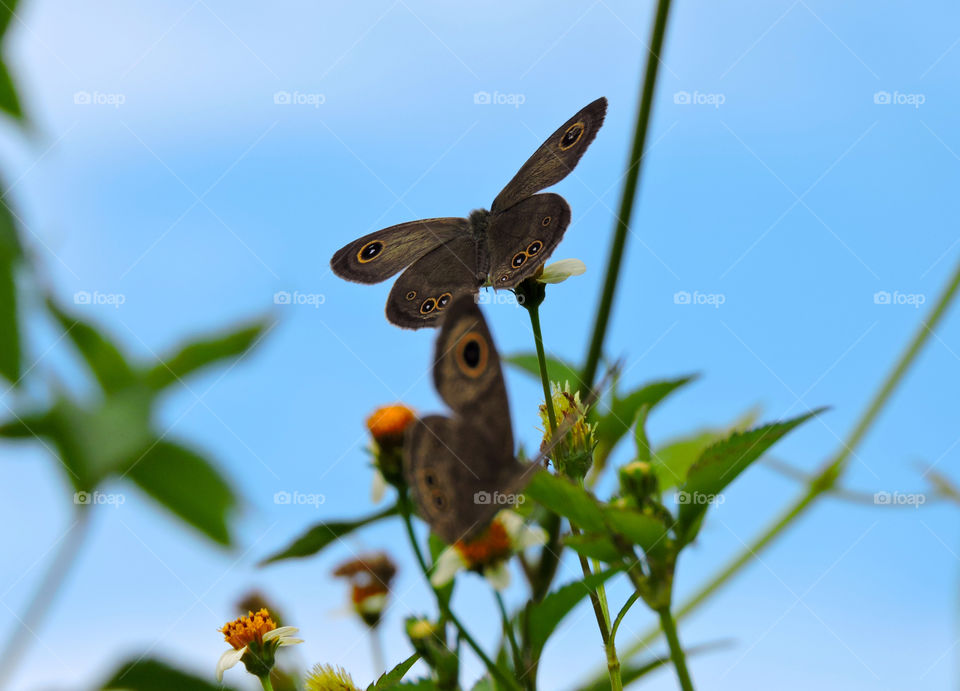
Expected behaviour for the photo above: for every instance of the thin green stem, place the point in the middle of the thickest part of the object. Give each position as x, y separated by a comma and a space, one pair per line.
445, 610
825, 478
534, 312
677, 655
265, 682
628, 195
508, 631
623, 610
29, 621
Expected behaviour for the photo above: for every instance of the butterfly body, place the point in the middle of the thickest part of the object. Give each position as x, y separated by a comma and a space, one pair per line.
443, 258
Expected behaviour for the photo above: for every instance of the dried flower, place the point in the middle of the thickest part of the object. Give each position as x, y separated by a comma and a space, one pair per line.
370, 578
573, 455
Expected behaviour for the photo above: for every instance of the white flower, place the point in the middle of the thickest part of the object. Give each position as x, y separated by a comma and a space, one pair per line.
560, 271
489, 553
257, 629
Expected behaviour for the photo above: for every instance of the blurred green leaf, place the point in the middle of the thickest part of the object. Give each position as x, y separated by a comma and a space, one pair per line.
557, 370
672, 461
322, 534
102, 357
645, 531
644, 452
568, 500
10, 356
202, 353
720, 464
26, 426
188, 486
614, 424
389, 680
594, 546
545, 616
153, 675
9, 101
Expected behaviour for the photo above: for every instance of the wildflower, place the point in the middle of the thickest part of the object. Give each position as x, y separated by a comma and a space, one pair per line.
254, 639
573, 455
328, 678
489, 553
560, 271
370, 578
387, 426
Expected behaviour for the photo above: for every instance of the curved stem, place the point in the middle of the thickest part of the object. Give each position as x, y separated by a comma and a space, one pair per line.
628, 196
623, 610
29, 621
445, 610
508, 631
676, 652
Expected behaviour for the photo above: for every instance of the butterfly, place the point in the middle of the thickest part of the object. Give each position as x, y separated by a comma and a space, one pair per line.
445, 258
458, 467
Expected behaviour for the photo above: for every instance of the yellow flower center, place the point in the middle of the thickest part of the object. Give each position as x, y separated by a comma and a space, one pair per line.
492, 546
388, 423
248, 628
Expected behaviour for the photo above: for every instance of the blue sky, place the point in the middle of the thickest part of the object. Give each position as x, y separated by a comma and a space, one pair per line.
786, 185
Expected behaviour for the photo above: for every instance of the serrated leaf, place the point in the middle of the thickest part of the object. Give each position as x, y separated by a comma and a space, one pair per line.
720, 464
322, 534
10, 355
568, 500
153, 675
594, 546
389, 680
202, 353
557, 370
187, 485
104, 359
645, 531
614, 424
546, 615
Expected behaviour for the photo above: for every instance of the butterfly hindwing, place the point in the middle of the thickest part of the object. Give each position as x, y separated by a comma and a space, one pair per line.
555, 158
378, 256
524, 236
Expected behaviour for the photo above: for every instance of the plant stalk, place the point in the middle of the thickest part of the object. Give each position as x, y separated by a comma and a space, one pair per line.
677, 655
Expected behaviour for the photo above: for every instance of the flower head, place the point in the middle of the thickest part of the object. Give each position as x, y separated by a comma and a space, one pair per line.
388, 425
572, 455
328, 678
560, 271
254, 639
489, 553
370, 578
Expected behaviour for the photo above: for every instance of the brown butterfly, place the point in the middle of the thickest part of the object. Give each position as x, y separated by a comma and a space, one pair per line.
445, 258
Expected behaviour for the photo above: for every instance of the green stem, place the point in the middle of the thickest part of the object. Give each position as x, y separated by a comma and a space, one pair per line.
508, 631
828, 473
445, 610
24, 634
265, 681
623, 610
628, 195
676, 652
534, 312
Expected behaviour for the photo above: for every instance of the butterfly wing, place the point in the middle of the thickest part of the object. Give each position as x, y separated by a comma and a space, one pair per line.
424, 292
520, 239
555, 158
377, 256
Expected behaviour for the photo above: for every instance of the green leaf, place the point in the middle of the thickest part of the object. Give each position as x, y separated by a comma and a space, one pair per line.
644, 452
389, 680
594, 546
153, 675
10, 355
9, 101
202, 353
557, 370
546, 615
26, 426
645, 531
102, 357
322, 534
672, 461
567, 499
720, 464
613, 425
188, 486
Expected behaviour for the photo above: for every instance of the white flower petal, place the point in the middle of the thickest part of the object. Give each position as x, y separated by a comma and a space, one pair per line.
290, 641
530, 536
228, 660
560, 271
498, 575
379, 487
511, 521
448, 564
278, 633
